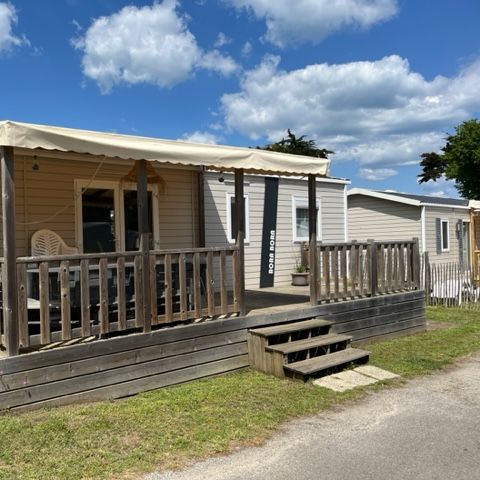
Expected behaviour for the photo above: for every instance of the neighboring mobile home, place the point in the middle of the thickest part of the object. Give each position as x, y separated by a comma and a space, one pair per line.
284, 229
442, 225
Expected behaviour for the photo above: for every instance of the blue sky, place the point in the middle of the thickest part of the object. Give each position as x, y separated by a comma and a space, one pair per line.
377, 81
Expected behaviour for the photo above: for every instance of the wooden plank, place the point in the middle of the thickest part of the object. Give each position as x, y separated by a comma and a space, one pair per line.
138, 276
401, 265
9, 268
168, 288
326, 272
44, 294
336, 290
87, 366
210, 285
22, 305
389, 282
236, 282
197, 283
408, 262
353, 273
343, 270
103, 296
152, 268
85, 297
145, 384
223, 283
92, 381
65, 304
121, 297
361, 272
183, 285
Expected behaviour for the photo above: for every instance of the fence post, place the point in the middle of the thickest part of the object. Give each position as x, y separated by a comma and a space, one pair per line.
373, 267
312, 235
427, 277
415, 262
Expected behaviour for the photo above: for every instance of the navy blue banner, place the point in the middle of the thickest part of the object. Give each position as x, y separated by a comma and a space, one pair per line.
269, 234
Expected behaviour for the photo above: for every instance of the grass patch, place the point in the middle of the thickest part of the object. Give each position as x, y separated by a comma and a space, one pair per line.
172, 426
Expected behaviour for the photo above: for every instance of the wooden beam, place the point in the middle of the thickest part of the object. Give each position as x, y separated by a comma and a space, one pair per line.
9, 270
240, 240
144, 237
312, 235
201, 209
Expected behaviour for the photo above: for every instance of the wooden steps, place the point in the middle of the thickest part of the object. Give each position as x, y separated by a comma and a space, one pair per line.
301, 349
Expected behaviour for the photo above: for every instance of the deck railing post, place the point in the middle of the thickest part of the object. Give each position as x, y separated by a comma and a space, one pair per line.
240, 238
9, 268
373, 267
312, 235
144, 237
415, 262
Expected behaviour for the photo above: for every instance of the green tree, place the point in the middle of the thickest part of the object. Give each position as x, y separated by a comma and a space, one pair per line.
459, 160
297, 146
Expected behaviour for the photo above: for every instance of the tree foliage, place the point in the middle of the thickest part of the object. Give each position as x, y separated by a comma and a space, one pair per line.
459, 160
297, 146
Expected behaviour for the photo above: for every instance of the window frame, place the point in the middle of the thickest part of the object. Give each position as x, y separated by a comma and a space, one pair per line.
302, 202
118, 203
442, 222
229, 196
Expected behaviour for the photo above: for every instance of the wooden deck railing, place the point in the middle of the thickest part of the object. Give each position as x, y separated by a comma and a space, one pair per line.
65, 297
360, 269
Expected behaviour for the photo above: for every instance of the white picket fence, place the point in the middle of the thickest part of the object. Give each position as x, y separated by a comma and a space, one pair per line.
450, 284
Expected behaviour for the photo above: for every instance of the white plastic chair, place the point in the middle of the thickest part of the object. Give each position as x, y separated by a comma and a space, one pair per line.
47, 242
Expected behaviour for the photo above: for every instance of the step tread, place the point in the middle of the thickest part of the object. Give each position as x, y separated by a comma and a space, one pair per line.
291, 327
317, 364
305, 344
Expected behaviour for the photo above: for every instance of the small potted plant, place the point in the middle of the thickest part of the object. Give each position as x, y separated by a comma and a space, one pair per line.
300, 275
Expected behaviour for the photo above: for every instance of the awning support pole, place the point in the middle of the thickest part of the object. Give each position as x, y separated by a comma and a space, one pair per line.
240, 240
144, 237
9, 269
312, 233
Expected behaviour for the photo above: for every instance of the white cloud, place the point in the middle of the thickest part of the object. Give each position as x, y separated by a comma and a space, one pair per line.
312, 20
150, 44
222, 40
8, 19
376, 173
200, 137
441, 188
246, 49
378, 113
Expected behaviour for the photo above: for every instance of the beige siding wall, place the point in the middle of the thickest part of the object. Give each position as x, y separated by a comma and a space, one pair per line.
453, 216
45, 198
381, 219
287, 251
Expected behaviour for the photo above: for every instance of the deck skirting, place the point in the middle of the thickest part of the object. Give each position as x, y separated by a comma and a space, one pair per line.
124, 366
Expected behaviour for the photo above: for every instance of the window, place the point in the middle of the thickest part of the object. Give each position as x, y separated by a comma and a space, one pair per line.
106, 216
444, 235
231, 219
300, 219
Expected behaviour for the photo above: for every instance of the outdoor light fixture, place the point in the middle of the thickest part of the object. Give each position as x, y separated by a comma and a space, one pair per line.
221, 178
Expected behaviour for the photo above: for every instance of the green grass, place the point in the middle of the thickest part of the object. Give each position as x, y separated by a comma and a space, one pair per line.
170, 427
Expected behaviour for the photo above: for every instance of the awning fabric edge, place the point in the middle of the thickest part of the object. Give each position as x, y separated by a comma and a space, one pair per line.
127, 147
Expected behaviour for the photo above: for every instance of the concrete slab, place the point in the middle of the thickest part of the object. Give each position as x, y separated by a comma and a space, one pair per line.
375, 372
340, 382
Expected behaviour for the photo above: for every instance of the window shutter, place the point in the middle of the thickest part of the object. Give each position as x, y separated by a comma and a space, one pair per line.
438, 234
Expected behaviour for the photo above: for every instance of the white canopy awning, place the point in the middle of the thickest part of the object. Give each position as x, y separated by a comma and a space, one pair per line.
128, 147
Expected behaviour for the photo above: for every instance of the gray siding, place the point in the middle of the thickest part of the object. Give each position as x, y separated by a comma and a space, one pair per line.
381, 219
453, 216
287, 251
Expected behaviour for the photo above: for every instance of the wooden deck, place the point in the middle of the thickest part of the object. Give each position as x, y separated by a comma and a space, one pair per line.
126, 365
